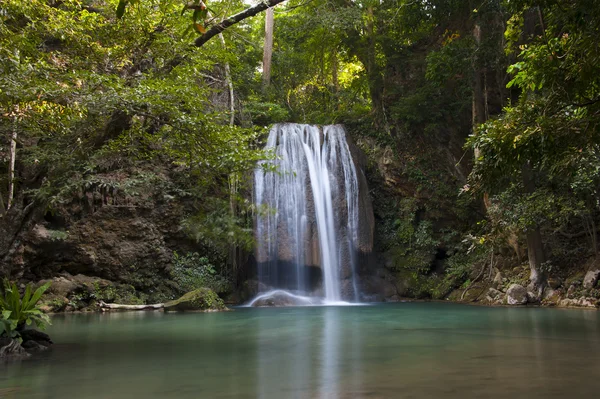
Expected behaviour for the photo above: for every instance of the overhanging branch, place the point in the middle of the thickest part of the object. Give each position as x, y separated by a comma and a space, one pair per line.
234, 19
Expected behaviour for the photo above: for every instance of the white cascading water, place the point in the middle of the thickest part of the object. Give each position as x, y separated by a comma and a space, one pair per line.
310, 185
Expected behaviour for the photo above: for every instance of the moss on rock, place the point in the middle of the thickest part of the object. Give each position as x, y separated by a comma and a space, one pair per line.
202, 299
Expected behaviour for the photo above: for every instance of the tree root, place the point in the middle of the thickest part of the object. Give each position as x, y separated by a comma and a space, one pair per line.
13, 350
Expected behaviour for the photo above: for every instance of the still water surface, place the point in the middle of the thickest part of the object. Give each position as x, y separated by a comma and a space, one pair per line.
407, 350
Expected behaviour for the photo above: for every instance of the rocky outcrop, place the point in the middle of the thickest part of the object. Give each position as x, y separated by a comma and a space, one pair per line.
582, 302
591, 279
82, 293
129, 242
200, 300
516, 295
382, 286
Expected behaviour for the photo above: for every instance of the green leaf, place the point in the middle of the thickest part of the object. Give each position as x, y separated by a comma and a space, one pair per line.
39, 292
26, 297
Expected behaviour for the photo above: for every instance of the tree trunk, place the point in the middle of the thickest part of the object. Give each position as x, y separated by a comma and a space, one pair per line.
233, 248
479, 106
268, 48
375, 79
228, 79
334, 71
11, 166
230, 85
2, 206
535, 246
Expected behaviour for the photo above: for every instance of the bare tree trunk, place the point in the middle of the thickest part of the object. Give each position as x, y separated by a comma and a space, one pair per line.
11, 166
2, 206
334, 71
479, 97
268, 48
233, 248
594, 237
535, 246
230, 85
227, 79
375, 78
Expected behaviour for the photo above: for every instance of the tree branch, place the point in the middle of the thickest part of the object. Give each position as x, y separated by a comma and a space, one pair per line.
234, 19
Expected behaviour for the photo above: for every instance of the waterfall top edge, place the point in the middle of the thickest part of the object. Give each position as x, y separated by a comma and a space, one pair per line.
282, 124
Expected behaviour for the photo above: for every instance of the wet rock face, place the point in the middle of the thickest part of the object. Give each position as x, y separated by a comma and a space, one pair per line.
365, 206
382, 286
516, 295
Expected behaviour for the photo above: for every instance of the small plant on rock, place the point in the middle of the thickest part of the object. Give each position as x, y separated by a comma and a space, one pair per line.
17, 311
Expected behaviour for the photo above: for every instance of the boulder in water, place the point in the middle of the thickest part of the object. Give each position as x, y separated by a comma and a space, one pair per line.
280, 298
200, 300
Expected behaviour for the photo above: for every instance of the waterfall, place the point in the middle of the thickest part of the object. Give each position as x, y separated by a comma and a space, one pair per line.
307, 211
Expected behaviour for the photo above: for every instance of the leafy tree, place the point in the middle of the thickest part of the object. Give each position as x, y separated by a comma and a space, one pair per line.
543, 148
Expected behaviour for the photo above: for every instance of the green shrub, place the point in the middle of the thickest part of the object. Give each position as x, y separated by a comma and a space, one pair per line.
192, 271
17, 311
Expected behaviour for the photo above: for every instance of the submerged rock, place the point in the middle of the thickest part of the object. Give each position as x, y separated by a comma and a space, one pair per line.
516, 295
590, 279
200, 300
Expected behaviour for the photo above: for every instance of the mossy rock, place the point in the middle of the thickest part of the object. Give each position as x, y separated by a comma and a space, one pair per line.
200, 300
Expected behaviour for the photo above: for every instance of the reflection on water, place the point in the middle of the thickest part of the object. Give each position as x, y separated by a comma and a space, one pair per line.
328, 387
385, 351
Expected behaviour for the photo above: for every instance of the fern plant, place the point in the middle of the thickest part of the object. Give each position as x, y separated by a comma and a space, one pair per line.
17, 311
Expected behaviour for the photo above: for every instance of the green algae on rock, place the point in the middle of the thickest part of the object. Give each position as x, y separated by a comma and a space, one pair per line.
202, 299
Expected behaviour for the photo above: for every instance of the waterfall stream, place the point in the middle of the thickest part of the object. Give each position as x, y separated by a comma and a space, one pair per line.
307, 211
